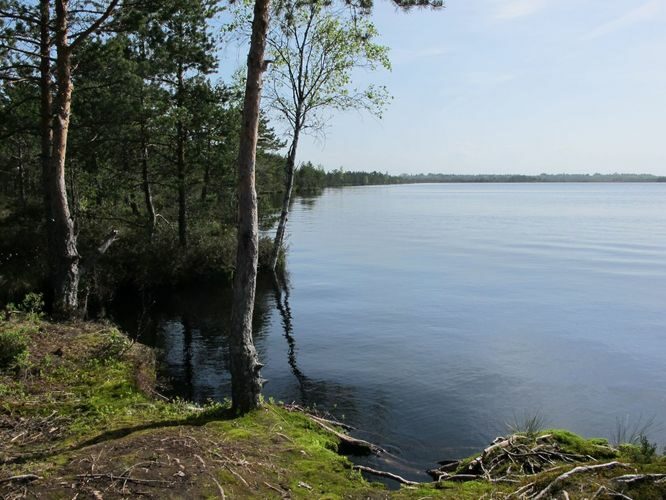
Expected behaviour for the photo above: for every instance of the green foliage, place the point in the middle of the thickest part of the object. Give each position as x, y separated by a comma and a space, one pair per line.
644, 452
315, 48
573, 443
14, 342
265, 253
30, 308
33, 303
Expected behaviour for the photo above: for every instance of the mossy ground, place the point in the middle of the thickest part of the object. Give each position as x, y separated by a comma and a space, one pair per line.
79, 411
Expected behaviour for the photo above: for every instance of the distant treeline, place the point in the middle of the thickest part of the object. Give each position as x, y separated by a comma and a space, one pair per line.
532, 178
311, 178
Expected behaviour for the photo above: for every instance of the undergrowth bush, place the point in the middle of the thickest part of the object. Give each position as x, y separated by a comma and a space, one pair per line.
13, 346
644, 452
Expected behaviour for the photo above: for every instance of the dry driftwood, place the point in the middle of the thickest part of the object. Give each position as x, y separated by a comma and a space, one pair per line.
300, 409
545, 493
603, 490
388, 475
350, 445
509, 457
635, 478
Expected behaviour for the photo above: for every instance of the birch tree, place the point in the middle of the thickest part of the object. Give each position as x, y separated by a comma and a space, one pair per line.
315, 48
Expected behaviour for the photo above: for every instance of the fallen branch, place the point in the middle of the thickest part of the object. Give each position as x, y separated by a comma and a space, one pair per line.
122, 478
219, 486
333, 422
607, 491
350, 445
545, 493
237, 475
24, 478
522, 490
281, 492
300, 409
635, 478
460, 478
388, 475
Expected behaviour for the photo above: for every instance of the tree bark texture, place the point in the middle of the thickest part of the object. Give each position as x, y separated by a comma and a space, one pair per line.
286, 200
66, 257
245, 368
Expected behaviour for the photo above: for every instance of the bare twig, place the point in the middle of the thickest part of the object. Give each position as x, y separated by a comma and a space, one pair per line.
219, 486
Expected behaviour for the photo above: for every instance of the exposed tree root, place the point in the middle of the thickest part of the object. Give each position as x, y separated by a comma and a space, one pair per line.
509, 458
546, 492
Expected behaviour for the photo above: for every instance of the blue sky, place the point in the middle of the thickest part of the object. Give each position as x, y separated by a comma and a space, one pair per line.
513, 86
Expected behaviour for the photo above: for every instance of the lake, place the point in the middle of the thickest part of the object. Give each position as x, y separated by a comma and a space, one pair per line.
433, 315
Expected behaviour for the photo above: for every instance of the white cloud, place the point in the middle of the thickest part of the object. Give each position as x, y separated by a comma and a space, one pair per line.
649, 10
513, 9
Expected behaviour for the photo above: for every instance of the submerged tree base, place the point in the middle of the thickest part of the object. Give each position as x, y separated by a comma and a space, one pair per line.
80, 415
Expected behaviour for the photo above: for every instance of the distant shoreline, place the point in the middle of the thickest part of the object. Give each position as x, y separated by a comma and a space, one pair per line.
542, 178
308, 178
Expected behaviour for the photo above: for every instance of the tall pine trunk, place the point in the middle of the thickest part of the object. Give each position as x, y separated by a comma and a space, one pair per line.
66, 257
286, 200
180, 160
244, 365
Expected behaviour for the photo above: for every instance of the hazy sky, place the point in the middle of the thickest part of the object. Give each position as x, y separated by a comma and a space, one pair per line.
513, 86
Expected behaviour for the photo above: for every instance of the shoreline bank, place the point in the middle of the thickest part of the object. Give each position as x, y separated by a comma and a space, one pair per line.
81, 415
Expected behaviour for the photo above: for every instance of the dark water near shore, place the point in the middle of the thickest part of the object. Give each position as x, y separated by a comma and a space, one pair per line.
432, 315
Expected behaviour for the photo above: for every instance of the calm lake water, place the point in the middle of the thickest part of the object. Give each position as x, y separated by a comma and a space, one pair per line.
432, 315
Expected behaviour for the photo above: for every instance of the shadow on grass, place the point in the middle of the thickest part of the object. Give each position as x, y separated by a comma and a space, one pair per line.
201, 419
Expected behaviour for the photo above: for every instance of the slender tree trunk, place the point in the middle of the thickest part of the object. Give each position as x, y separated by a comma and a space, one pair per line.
145, 181
245, 368
66, 272
286, 200
180, 152
145, 186
206, 179
21, 174
45, 126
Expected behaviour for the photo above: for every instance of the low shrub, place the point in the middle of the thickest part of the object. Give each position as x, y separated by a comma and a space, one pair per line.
13, 346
